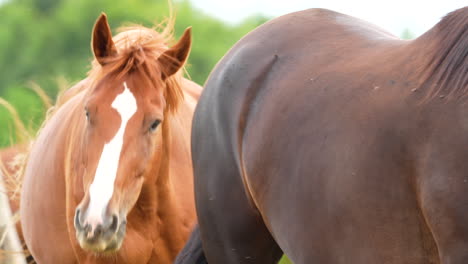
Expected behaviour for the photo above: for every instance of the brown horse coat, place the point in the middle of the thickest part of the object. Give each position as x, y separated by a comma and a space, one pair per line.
324, 137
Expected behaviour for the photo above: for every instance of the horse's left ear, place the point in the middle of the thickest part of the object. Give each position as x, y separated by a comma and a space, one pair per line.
174, 58
102, 44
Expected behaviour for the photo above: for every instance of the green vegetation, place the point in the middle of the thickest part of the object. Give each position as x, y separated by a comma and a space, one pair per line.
42, 40
407, 34
285, 260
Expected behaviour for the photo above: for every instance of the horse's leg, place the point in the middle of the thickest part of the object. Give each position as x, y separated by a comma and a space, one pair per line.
192, 253
232, 230
444, 202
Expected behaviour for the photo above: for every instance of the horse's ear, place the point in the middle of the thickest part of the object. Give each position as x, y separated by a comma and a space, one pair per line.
174, 58
102, 44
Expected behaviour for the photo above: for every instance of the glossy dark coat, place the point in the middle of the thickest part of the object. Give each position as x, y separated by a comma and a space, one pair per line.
324, 137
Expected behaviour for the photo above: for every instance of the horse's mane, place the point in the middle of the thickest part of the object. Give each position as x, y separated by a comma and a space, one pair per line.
138, 50
446, 71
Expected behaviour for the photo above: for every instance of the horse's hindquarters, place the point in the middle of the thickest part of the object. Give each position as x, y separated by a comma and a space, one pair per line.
302, 145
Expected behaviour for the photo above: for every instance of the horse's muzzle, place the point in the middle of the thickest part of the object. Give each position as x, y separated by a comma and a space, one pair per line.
100, 237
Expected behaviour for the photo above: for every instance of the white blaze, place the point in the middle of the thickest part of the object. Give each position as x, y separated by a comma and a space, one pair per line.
102, 187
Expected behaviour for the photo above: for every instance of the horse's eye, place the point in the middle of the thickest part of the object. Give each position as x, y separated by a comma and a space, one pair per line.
154, 125
87, 114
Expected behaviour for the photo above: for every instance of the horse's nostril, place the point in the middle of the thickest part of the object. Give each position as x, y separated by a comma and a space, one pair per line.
115, 223
87, 228
77, 219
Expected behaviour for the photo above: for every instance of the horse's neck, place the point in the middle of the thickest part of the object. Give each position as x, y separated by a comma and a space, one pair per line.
176, 166
172, 194
179, 134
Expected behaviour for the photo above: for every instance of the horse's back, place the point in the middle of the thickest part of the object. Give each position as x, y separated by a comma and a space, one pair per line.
291, 52
306, 112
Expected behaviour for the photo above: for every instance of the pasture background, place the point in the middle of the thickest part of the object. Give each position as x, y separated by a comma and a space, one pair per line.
47, 42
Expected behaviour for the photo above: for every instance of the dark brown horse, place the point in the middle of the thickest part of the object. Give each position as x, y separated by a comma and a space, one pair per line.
324, 137
109, 178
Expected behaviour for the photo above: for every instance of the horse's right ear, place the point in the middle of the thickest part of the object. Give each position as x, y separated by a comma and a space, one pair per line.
102, 44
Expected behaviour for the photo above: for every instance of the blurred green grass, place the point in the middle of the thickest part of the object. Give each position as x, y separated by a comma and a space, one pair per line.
285, 260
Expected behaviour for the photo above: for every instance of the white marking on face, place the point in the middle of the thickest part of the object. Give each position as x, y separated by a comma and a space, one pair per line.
102, 187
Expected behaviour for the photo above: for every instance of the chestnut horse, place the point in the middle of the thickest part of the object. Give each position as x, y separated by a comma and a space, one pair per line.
109, 177
324, 137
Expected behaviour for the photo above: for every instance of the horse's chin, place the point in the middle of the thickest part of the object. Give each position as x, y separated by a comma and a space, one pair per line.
103, 245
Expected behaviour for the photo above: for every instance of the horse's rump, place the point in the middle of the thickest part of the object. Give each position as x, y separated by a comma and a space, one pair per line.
313, 137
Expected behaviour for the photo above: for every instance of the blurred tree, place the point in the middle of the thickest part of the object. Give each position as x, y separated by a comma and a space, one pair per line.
43, 7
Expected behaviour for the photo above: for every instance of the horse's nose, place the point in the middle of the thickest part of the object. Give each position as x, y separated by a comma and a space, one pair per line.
104, 229
93, 228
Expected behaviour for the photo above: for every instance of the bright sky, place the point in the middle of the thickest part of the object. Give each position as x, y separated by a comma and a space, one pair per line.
393, 15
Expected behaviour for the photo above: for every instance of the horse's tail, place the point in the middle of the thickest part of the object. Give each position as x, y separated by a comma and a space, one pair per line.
192, 253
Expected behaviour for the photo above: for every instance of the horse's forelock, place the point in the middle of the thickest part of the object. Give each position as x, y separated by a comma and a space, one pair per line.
138, 51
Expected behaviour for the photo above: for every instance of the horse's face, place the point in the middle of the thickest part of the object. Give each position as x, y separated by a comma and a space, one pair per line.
122, 147
121, 137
